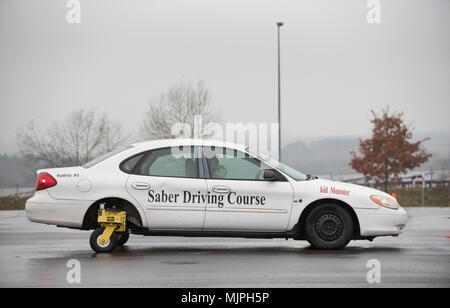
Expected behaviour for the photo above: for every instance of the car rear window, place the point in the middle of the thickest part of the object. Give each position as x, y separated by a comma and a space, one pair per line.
106, 156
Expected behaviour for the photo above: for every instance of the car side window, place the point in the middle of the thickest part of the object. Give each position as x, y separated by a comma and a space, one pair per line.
165, 162
128, 165
234, 165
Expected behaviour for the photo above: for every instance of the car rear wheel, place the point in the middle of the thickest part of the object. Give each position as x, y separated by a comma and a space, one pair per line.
123, 238
108, 246
329, 227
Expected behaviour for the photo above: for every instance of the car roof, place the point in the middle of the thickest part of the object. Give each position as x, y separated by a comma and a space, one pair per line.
161, 143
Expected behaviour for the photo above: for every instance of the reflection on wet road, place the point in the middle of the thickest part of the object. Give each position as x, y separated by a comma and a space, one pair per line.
36, 255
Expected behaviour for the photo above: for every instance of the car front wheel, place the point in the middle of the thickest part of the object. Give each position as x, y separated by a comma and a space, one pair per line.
329, 227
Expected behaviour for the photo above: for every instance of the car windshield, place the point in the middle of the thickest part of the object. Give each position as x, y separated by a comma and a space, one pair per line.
296, 175
101, 158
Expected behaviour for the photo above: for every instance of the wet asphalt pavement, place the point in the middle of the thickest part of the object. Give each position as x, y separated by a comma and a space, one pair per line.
35, 255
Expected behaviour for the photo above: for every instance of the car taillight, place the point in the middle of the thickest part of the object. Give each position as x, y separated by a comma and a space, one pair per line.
45, 181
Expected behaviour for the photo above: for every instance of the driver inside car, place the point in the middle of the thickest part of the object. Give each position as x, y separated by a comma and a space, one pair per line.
217, 170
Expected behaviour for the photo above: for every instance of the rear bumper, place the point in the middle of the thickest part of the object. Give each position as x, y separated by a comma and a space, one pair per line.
381, 221
65, 213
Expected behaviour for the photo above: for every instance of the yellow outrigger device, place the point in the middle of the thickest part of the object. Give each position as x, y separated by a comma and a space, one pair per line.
112, 221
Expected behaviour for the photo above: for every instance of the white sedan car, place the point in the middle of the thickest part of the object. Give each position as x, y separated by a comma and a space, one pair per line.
208, 188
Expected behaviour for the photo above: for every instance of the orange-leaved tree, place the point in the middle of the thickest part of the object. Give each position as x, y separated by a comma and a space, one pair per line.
390, 151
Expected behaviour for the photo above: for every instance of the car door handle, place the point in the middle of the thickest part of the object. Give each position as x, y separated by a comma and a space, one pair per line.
220, 189
140, 185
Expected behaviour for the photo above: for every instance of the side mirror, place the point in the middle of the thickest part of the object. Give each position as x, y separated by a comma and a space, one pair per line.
271, 175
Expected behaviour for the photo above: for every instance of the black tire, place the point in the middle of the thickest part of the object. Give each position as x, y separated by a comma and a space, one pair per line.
329, 227
109, 247
123, 238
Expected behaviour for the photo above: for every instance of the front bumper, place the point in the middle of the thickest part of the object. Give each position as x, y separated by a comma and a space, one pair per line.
381, 221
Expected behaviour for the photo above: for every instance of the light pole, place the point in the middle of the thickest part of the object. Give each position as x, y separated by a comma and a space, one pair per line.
279, 25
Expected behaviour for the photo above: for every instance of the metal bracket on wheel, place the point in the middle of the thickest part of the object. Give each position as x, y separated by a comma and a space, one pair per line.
112, 221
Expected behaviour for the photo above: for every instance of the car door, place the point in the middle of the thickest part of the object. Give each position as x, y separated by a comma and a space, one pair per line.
164, 182
241, 198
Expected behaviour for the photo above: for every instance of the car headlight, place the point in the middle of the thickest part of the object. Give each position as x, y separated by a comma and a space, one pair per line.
385, 201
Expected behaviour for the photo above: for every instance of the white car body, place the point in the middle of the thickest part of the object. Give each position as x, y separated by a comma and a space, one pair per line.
78, 189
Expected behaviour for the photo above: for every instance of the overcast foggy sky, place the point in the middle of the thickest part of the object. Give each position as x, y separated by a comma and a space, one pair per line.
335, 66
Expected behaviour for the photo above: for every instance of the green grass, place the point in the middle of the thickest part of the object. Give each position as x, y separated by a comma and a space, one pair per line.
13, 203
433, 197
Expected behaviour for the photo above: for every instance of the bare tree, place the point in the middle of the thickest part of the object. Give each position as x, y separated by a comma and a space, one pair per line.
81, 137
179, 104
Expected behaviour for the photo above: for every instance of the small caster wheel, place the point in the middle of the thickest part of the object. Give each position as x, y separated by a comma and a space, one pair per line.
108, 246
123, 237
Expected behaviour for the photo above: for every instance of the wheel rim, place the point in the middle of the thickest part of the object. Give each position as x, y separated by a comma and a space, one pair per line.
329, 227
100, 244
